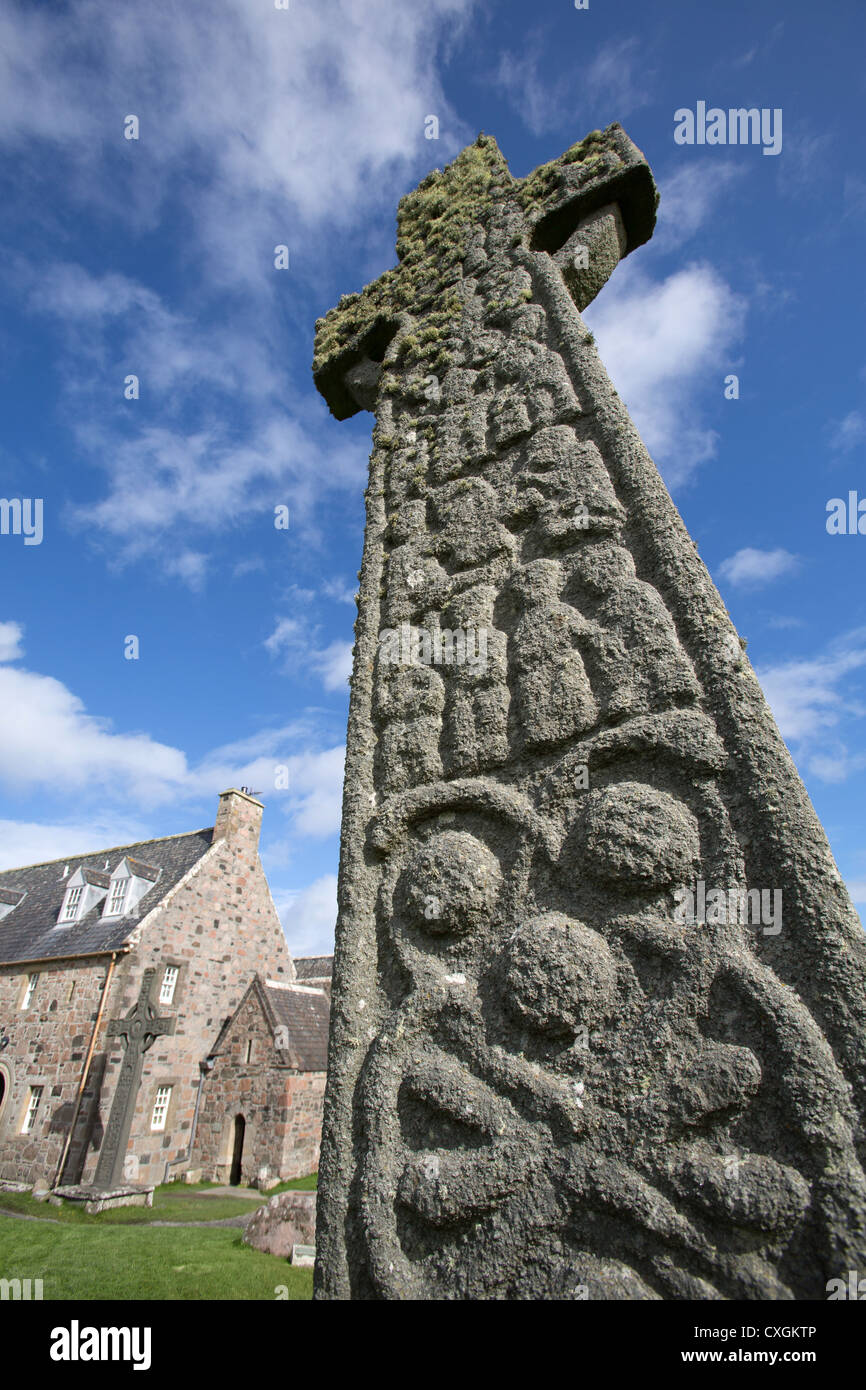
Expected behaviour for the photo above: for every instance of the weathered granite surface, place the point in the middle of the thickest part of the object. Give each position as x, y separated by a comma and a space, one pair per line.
543, 1083
288, 1219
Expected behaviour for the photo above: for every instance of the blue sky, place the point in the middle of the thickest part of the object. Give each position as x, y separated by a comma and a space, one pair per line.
302, 127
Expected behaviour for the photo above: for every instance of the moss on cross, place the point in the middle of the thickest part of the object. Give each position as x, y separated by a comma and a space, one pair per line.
434, 223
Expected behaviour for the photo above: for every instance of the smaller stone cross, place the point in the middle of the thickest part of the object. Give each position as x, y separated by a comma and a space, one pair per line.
139, 1030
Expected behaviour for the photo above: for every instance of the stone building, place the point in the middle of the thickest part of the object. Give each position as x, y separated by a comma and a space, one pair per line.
315, 971
152, 1022
267, 1084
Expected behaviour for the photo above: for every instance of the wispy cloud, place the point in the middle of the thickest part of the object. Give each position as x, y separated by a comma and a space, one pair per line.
815, 700
760, 46
295, 640
848, 433
164, 485
334, 664
339, 591
807, 159
221, 106
612, 85
115, 319
33, 842
229, 98
749, 568
689, 197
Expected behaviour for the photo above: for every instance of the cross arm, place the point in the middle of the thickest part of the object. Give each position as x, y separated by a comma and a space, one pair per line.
351, 336
605, 167
159, 1027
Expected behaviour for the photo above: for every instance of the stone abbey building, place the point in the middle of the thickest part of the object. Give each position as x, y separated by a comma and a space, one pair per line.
152, 1020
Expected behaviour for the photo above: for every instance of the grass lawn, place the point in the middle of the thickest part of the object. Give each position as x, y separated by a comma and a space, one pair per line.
146, 1263
307, 1184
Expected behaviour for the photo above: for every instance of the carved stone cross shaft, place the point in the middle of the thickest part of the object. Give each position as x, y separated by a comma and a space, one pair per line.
546, 1079
139, 1030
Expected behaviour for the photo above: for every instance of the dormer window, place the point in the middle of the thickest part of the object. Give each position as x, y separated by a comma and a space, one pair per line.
116, 897
84, 890
9, 900
128, 884
71, 904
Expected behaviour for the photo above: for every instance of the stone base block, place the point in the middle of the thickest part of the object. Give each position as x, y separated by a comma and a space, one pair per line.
96, 1199
288, 1219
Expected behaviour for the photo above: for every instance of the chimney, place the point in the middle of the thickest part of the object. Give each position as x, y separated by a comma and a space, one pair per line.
239, 819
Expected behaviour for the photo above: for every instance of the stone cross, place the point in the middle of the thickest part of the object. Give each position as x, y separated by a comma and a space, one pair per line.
599, 1013
139, 1030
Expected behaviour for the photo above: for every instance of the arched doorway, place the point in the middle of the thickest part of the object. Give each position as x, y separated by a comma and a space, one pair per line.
237, 1151
2, 1089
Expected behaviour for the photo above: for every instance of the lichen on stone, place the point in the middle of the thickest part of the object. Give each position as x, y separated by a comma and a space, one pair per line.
432, 226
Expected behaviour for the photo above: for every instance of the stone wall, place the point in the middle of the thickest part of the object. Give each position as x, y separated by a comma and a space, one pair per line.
50, 1042
219, 926
281, 1107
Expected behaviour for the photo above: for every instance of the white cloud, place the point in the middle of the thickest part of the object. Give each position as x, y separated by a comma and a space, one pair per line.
190, 566
750, 568
339, 591
316, 791
50, 743
804, 695
10, 641
309, 918
808, 159
48, 739
254, 564
312, 799
290, 635
783, 621
857, 889
29, 842
257, 126
165, 348
661, 342
848, 433
164, 482
761, 46
288, 117
813, 700
617, 82
334, 664
295, 639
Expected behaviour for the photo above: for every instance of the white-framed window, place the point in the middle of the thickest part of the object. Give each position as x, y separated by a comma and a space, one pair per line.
71, 905
32, 981
169, 984
116, 897
32, 1108
160, 1107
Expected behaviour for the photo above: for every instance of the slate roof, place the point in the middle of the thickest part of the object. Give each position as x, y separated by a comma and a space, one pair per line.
313, 968
30, 931
305, 1014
